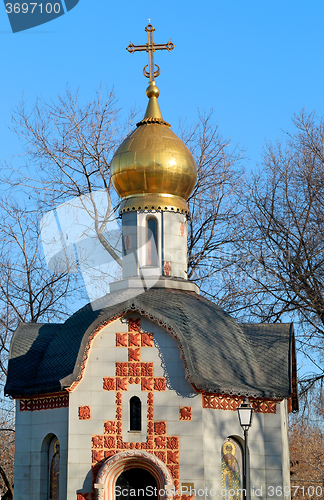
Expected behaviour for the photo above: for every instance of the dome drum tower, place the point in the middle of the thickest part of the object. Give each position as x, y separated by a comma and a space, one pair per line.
154, 174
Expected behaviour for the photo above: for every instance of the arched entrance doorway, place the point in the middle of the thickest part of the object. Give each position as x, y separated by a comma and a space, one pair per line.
136, 484
129, 460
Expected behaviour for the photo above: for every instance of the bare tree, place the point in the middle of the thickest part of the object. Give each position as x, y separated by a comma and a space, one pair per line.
214, 208
7, 444
282, 260
306, 448
67, 147
29, 292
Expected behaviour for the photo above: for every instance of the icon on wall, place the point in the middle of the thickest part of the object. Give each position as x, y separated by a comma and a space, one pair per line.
24, 15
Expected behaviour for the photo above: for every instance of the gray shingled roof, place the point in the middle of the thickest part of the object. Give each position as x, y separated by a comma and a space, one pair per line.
221, 356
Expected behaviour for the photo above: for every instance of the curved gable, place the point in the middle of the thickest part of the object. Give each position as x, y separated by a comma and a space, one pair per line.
219, 355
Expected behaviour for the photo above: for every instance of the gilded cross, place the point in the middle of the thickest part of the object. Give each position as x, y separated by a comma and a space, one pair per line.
150, 47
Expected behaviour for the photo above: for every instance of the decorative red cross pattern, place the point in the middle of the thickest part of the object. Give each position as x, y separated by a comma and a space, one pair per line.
134, 371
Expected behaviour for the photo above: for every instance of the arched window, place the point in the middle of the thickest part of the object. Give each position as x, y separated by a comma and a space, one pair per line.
151, 242
50, 468
54, 469
135, 414
232, 471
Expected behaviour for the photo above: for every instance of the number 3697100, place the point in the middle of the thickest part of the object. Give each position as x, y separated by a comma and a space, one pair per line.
24, 8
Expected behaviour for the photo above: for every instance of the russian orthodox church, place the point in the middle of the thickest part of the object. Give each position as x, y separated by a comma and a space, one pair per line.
142, 390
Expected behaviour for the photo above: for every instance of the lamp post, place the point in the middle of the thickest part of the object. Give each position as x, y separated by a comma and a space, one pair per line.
245, 414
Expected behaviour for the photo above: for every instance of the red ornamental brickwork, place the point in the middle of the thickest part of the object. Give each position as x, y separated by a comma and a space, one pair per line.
84, 413
147, 340
134, 355
185, 413
158, 442
135, 371
44, 402
109, 383
135, 377
134, 340
86, 496
167, 268
134, 325
221, 402
121, 340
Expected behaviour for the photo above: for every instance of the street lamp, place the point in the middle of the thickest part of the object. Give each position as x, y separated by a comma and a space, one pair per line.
245, 414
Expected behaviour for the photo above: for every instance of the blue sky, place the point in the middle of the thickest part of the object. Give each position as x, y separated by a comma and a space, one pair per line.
255, 62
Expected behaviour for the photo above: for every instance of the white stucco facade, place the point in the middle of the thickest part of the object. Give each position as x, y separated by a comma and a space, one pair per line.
201, 438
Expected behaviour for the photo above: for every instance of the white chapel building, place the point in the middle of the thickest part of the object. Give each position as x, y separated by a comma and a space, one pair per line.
142, 391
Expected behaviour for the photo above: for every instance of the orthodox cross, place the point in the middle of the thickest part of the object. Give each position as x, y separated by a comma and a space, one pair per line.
150, 47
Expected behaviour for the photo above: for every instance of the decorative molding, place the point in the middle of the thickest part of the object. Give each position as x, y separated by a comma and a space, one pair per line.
174, 469
109, 471
147, 369
97, 456
109, 383
225, 402
185, 413
161, 455
147, 383
86, 351
134, 372
160, 442
121, 384
84, 413
109, 445
147, 339
134, 339
134, 325
97, 441
134, 355
121, 340
110, 427
173, 457
159, 383
44, 402
160, 427
166, 268
121, 369
85, 496
173, 442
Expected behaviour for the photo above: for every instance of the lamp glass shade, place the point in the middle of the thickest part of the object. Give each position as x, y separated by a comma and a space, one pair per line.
245, 413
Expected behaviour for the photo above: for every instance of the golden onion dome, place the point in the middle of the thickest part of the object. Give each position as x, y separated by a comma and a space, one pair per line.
153, 168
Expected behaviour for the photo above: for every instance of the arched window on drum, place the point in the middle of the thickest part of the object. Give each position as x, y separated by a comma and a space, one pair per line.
232, 470
151, 242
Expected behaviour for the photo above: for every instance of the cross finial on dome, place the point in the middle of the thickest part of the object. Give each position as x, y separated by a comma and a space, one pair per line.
150, 47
